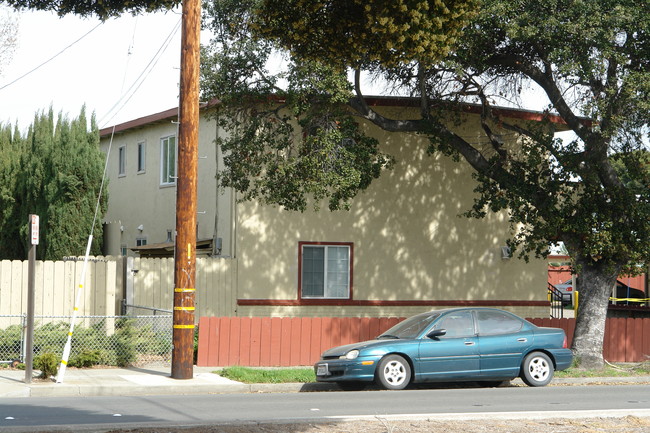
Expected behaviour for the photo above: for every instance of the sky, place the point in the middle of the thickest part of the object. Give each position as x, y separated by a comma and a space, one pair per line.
121, 70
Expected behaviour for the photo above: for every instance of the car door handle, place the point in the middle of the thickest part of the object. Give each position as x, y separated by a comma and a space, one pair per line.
469, 343
522, 340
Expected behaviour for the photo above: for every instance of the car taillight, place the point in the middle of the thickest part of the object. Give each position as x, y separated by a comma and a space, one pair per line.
568, 289
565, 344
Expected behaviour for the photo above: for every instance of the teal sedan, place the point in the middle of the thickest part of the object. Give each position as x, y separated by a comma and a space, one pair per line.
459, 344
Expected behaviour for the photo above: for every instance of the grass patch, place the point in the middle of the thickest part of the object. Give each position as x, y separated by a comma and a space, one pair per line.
270, 375
306, 375
620, 370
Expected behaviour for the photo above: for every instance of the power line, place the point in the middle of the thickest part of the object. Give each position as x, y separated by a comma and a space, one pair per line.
50, 59
141, 78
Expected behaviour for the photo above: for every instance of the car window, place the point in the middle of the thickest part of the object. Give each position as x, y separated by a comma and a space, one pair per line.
411, 327
457, 324
497, 322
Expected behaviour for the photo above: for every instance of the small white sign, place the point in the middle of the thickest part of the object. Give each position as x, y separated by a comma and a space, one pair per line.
34, 229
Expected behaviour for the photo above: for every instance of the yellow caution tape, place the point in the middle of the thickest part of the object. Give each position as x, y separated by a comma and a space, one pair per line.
630, 299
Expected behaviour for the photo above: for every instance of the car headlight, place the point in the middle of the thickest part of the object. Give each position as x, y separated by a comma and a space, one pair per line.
352, 354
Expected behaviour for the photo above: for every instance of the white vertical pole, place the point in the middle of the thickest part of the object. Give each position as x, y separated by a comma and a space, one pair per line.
68, 344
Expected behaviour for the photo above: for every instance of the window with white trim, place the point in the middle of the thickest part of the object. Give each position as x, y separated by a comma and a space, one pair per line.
121, 161
168, 160
325, 270
141, 157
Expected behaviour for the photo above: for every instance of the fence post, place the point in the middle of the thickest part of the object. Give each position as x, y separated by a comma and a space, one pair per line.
129, 275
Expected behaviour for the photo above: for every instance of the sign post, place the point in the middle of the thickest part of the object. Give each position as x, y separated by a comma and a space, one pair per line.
29, 331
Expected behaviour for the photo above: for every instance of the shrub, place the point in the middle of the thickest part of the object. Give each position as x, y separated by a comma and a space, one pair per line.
48, 363
125, 346
87, 358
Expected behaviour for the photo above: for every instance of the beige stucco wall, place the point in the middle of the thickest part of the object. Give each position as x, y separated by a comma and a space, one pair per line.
138, 198
409, 242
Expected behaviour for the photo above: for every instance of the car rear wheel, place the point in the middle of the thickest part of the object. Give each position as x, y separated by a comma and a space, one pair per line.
393, 372
537, 369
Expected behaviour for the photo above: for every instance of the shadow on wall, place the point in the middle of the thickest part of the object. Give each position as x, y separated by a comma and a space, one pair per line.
410, 242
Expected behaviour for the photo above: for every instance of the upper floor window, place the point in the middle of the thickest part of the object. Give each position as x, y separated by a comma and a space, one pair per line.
121, 164
141, 157
325, 270
168, 160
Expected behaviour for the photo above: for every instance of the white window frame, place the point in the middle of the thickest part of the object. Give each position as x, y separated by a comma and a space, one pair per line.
329, 284
121, 161
141, 241
167, 172
142, 157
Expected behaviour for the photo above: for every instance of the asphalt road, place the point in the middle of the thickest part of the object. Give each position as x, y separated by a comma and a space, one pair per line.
30, 414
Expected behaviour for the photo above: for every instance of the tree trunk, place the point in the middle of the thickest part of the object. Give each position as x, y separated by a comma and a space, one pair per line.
595, 283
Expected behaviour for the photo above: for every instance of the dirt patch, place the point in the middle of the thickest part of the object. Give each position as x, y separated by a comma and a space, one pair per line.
629, 424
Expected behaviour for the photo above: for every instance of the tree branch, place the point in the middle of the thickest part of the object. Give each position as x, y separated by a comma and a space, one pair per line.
360, 105
545, 80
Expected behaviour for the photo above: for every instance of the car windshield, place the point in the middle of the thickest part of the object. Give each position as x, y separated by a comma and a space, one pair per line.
411, 327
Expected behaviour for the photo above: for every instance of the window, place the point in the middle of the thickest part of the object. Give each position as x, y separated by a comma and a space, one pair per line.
168, 160
497, 322
459, 324
121, 164
140, 242
325, 270
141, 155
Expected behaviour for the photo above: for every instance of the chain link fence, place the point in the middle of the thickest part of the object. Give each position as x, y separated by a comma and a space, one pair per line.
96, 340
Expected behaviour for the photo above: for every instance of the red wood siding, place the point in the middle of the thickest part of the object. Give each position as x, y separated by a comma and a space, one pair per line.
272, 342
560, 274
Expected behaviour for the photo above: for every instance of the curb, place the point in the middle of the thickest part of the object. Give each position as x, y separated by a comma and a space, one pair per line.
157, 384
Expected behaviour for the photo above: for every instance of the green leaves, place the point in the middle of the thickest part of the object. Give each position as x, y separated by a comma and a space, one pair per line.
56, 172
352, 32
274, 159
103, 9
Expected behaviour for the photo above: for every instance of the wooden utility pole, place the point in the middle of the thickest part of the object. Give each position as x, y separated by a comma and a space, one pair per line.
186, 193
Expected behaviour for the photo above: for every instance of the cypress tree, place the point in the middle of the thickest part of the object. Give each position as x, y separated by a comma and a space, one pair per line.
55, 171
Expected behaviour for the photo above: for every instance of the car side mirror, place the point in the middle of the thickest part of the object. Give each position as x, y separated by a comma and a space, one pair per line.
436, 333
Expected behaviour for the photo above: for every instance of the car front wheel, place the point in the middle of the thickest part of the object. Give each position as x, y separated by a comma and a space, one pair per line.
537, 369
393, 372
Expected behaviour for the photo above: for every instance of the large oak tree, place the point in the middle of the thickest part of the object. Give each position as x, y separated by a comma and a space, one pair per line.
590, 59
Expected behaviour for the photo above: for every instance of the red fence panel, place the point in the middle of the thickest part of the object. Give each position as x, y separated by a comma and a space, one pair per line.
267, 342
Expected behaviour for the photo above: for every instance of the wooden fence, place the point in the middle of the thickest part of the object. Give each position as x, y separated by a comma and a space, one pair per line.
626, 339
150, 283
145, 282
55, 288
267, 342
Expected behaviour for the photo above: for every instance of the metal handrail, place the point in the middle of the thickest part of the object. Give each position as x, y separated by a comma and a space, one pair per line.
558, 300
155, 310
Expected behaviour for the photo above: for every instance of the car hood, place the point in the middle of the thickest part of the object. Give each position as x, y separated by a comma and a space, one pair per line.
342, 350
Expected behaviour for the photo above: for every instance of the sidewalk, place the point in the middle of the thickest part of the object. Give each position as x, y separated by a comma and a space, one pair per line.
157, 381
135, 381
